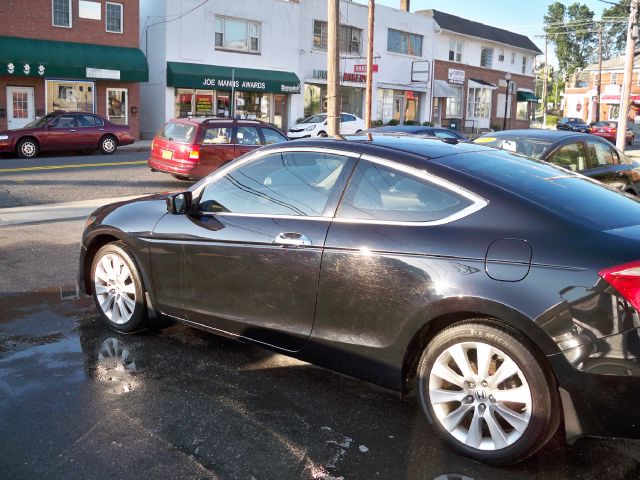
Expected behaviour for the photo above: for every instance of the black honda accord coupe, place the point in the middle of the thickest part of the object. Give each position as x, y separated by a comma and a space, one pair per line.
505, 290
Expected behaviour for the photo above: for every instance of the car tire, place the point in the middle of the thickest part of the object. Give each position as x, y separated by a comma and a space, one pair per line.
117, 288
323, 134
28, 148
630, 142
486, 392
181, 177
108, 145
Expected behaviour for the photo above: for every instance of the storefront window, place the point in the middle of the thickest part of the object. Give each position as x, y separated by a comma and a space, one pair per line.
117, 105
183, 101
454, 104
479, 105
253, 106
614, 112
352, 98
411, 106
203, 103
522, 112
315, 97
385, 104
70, 96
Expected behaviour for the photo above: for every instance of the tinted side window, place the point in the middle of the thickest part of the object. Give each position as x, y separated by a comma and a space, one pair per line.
217, 135
87, 121
288, 183
248, 136
570, 156
271, 136
600, 154
178, 132
65, 121
377, 192
441, 134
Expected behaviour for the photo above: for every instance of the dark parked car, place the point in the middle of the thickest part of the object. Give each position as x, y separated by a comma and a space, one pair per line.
65, 131
420, 130
609, 131
193, 148
505, 290
572, 124
578, 152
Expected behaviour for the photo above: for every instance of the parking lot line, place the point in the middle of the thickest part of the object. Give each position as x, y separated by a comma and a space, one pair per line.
77, 165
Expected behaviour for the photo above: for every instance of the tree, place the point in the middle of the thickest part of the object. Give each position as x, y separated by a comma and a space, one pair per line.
614, 36
570, 29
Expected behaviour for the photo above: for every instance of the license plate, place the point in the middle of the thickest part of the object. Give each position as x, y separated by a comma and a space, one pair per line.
167, 154
601, 130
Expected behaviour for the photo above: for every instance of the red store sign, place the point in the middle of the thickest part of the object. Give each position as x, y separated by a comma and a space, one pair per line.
363, 68
354, 77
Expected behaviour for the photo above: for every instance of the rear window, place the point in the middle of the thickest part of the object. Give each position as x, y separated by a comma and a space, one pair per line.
573, 196
529, 147
177, 132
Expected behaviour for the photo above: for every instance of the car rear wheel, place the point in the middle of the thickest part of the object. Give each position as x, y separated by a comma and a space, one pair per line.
28, 148
117, 288
108, 145
487, 394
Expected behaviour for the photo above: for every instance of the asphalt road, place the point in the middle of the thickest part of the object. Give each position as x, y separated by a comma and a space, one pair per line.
64, 178
80, 401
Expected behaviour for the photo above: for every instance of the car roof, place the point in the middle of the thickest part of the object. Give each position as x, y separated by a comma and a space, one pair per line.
400, 128
538, 134
213, 121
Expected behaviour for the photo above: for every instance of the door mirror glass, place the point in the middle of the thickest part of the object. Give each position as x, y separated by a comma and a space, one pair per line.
179, 203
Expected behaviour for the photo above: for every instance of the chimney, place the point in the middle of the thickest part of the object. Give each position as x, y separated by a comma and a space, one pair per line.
404, 5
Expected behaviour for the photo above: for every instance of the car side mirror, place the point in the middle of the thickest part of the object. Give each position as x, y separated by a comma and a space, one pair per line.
50, 125
179, 203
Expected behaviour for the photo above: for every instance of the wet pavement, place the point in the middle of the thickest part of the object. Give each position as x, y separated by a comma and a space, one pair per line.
78, 400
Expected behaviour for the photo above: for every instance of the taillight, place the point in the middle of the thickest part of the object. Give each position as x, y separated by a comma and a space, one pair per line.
194, 152
626, 280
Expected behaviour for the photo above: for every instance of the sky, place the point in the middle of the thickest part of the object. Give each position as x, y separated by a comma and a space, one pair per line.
520, 16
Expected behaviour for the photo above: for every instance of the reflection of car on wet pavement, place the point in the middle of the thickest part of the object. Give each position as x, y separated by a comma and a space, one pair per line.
578, 152
403, 261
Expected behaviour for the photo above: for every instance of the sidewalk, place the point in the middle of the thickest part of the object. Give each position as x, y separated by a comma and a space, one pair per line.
54, 211
138, 146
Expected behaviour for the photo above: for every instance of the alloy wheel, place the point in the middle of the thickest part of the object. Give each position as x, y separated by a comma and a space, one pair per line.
480, 396
108, 144
28, 149
115, 288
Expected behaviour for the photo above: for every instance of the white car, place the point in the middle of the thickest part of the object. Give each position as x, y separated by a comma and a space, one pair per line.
316, 126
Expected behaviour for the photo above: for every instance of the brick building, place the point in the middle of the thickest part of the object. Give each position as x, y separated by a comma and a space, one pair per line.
474, 64
73, 55
580, 98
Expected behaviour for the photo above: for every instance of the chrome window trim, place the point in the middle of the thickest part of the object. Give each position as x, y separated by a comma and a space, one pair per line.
478, 203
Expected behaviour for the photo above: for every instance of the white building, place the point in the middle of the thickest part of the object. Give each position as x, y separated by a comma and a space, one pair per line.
267, 59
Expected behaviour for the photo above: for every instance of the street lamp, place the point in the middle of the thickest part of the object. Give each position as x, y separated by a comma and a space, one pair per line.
507, 77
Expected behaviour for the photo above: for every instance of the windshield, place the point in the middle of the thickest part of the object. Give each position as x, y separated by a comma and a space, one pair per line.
315, 119
40, 122
529, 147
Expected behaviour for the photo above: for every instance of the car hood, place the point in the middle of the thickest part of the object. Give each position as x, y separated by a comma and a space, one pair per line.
305, 125
135, 216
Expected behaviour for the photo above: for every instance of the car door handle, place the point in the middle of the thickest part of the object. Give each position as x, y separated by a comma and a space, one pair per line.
291, 239
102, 129
72, 130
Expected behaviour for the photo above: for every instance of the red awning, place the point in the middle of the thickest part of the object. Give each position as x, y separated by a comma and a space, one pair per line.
635, 97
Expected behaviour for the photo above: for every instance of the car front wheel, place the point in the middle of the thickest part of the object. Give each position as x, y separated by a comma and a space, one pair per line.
487, 393
28, 148
117, 288
108, 145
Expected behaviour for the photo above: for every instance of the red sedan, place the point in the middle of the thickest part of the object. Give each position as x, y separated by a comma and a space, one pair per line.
609, 130
65, 131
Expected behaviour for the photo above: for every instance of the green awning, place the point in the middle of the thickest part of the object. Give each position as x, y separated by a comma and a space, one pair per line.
25, 57
215, 77
527, 97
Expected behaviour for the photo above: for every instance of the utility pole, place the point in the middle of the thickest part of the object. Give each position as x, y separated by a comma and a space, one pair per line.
599, 83
367, 112
333, 69
628, 72
545, 75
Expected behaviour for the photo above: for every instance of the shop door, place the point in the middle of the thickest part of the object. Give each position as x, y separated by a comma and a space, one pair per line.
20, 108
280, 111
223, 109
398, 108
437, 111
